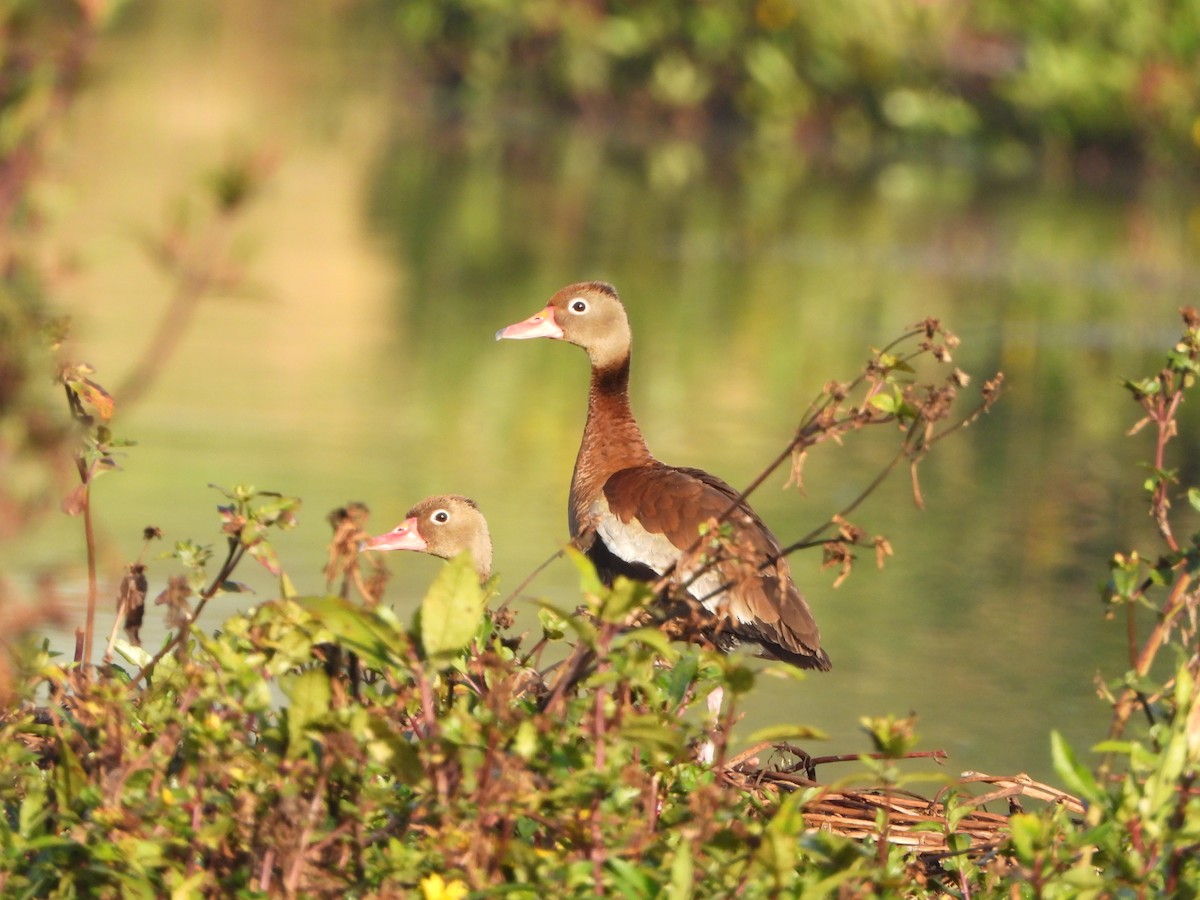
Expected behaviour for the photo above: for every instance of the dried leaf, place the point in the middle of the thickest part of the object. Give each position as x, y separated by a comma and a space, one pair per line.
796, 475
265, 554
836, 554
232, 522
883, 549
131, 600
179, 611
97, 397
916, 486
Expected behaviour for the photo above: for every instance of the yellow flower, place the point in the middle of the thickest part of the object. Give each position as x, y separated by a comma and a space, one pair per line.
437, 888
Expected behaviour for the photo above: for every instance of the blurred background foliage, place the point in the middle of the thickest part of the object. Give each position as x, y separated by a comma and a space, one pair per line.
852, 83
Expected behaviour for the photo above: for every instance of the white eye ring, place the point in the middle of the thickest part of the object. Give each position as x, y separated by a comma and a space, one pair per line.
440, 516
578, 306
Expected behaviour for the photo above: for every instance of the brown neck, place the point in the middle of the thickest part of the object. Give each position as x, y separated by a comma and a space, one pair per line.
611, 439
481, 553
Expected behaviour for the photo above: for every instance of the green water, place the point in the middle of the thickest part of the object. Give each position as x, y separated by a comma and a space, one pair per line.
394, 241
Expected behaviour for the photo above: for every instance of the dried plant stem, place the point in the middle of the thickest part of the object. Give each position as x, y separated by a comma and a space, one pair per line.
816, 426
90, 536
805, 434
809, 539
85, 496
572, 670
1130, 697
516, 592
118, 621
866, 492
1164, 417
291, 882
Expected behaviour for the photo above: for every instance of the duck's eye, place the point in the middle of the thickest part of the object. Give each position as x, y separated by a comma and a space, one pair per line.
440, 516
579, 306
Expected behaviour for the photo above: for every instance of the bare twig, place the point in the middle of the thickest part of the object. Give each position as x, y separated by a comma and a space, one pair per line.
516, 592
821, 423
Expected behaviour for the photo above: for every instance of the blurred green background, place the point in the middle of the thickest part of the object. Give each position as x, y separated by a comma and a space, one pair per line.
775, 188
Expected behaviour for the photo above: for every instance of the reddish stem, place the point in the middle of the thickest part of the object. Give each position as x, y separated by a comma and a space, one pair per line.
90, 537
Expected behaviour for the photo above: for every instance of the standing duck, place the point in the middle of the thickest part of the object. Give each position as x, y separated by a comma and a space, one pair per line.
636, 516
443, 525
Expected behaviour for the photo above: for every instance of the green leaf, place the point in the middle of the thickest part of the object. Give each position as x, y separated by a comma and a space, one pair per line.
626, 596
680, 677
1147, 387
892, 736
629, 879
310, 694
190, 554
525, 743
286, 588
376, 642
34, 808
265, 554
1027, 835
779, 847
1124, 748
553, 623
683, 872
228, 494
1180, 360
885, 402
589, 581
190, 887
651, 735
451, 610
279, 511
398, 753
651, 637
579, 624
1076, 777
1193, 496
136, 655
738, 678
1084, 878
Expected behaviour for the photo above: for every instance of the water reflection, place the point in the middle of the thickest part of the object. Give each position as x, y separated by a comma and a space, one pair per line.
751, 281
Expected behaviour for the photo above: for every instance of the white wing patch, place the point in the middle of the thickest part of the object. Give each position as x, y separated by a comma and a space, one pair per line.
633, 543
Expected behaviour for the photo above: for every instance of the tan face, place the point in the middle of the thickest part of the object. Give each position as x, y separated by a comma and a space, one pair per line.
588, 314
444, 526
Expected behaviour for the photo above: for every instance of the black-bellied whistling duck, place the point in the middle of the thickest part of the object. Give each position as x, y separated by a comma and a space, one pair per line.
636, 516
443, 525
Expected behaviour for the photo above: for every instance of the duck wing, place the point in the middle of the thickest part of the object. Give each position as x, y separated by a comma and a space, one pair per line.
647, 516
